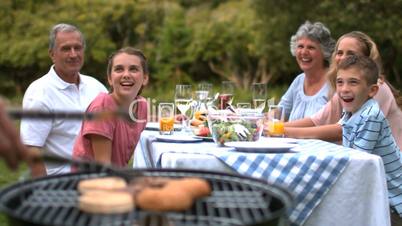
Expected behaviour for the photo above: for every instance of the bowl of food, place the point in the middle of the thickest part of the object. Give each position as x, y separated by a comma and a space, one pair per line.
226, 126
199, 125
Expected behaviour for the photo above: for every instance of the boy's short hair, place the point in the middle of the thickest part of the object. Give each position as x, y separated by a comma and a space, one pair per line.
365, 64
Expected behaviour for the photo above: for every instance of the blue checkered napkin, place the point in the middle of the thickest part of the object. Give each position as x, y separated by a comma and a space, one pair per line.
308, 175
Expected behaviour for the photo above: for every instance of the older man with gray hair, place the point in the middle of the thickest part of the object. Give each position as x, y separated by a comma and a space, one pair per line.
63, 88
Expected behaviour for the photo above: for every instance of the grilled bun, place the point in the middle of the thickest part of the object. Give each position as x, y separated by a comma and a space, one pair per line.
106, 202
105, 183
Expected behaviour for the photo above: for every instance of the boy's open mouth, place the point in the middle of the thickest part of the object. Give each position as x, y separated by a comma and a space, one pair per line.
347, 99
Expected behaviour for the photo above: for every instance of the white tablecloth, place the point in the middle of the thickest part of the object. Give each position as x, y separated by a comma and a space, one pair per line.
358, 196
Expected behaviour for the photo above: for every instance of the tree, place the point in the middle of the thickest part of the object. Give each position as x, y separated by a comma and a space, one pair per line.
106, 25
173, 37
228, 42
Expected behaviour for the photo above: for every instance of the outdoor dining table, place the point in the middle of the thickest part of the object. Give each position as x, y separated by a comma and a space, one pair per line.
331, 184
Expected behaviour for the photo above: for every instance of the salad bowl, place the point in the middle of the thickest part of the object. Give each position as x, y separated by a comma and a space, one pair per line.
229, 126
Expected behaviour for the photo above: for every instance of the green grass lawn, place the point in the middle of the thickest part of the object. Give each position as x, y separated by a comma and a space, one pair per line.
8, 177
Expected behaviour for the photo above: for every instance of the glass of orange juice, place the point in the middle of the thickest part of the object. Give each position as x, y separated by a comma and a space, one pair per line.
166, 118
276, 119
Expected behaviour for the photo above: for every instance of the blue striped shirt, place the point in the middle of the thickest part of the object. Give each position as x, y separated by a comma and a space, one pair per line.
368, 130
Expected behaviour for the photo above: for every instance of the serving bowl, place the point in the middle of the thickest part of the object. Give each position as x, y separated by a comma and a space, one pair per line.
226, 126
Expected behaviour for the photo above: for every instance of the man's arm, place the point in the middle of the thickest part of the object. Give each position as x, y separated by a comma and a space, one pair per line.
37, 167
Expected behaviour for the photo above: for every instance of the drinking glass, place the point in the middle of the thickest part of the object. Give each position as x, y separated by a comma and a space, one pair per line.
259, 92
226, 95
204, 91
183, 99
203, 95
242, 105
276, 119
166, 118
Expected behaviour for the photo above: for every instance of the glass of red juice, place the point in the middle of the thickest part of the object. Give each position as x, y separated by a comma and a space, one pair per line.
226, 96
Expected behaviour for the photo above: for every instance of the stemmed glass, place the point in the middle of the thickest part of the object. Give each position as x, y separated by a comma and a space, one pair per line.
183, 99
243, 105
204, 91
203, 94
259, 92
226, 95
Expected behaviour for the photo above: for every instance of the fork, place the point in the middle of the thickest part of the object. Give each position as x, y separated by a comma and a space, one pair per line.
241, 130
86, 165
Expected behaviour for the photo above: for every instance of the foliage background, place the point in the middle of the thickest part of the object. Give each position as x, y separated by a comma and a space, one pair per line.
188, 41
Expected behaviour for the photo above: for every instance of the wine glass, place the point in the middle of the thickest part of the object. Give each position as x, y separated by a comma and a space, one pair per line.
226, 95
203, 95
243, 105
183, 99
259, 92
203, 92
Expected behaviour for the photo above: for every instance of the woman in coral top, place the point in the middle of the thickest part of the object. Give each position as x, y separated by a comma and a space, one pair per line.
323, 125
113, 140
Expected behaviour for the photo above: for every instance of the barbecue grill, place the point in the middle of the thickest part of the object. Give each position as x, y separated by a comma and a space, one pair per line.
235, 200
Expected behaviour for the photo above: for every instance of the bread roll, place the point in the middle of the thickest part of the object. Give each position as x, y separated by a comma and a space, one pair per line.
105, 183
106, 202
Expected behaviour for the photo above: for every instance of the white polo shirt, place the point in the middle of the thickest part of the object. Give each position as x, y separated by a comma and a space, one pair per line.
50, 93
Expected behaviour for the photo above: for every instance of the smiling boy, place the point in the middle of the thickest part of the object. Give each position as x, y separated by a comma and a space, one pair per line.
364, 126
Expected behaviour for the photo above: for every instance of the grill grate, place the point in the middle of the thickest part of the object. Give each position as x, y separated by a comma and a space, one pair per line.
235, 200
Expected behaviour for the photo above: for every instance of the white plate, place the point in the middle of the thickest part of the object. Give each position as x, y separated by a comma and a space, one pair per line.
205, 138
177, 138
273, 146
279, 139
155, 126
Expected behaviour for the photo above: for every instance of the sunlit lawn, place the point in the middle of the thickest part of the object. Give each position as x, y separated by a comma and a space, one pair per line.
8, 177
